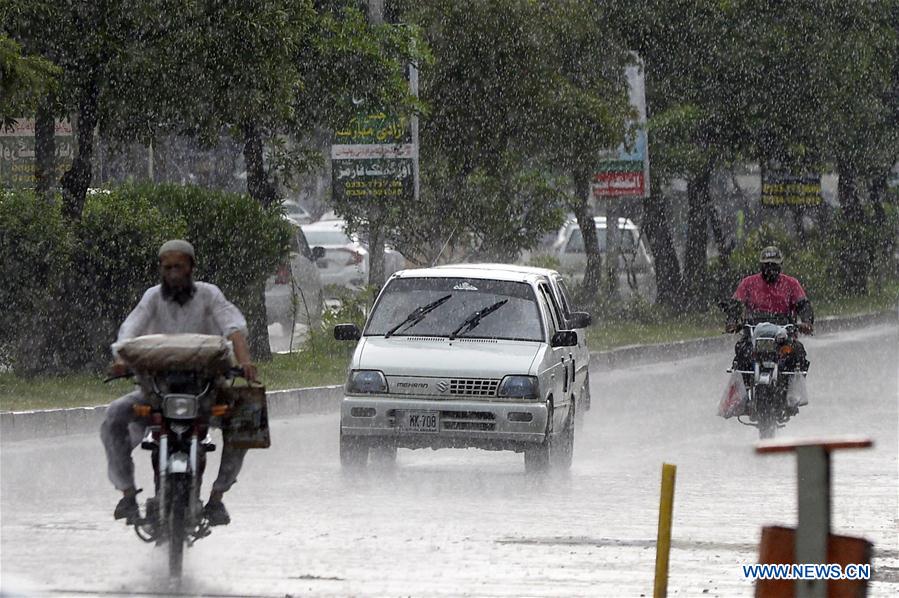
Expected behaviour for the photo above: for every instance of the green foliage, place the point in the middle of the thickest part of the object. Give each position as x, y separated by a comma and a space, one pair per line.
73, 284
24, 80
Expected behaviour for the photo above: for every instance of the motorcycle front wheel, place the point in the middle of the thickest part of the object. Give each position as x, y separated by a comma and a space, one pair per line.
179, 497
764, 404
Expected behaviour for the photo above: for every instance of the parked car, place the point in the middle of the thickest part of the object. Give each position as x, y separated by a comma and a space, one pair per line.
297, 213
463, 357
346, 259
580, 354
294, 293
634, 261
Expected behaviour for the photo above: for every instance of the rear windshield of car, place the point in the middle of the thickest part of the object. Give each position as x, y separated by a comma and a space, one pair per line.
576, 242
326, 237
517, 319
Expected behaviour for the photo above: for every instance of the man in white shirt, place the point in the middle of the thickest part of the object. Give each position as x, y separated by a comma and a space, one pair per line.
177, 305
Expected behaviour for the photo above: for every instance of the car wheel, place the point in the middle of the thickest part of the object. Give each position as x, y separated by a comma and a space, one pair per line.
562, 446
537, 458
353, 452
383, 455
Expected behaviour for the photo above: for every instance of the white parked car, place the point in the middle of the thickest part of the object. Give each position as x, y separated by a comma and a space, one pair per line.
294, 293
634, 260
346, 259
297, 213
463, 357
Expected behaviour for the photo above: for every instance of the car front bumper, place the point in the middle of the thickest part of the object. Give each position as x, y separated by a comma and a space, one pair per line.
462, 423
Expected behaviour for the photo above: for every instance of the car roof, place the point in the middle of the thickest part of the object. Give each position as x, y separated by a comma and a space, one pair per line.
325, 225
625, 223
462, 271
509, 267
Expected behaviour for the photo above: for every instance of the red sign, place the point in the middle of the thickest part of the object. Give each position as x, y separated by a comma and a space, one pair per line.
618, 184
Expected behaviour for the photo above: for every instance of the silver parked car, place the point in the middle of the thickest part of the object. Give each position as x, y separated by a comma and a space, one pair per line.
294, 293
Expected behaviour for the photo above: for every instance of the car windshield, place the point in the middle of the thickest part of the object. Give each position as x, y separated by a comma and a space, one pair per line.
576, 242
519, 318
326, 237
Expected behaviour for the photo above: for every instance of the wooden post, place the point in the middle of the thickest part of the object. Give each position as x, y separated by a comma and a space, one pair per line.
663, 542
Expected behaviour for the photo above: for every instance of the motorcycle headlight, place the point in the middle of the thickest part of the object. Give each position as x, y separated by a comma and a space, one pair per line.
366, 382
765, 345
179, 406
518, 387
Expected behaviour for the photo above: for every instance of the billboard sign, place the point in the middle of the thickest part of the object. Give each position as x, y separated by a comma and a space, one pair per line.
780, 188
625, 171
17, 152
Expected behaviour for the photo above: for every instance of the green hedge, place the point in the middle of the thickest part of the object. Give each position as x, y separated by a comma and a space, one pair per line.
72, 283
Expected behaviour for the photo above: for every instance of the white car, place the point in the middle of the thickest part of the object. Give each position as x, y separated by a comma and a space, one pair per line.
297, 213
346, 261
577, 321
634, 260
462, 357
294, 293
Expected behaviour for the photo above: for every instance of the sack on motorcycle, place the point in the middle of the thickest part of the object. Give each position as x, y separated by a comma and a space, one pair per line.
733, 400
155, 352
247, 423
797, 393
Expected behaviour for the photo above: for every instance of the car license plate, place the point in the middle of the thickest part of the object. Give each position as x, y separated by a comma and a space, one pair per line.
420, 421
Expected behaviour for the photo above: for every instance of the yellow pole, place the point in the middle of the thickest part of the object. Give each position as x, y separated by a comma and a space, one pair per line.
663, 543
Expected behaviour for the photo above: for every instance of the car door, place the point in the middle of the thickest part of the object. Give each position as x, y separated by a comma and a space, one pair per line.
580, 353
560, 357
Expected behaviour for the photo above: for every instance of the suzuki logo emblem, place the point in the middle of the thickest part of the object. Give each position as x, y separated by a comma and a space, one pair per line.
443, 386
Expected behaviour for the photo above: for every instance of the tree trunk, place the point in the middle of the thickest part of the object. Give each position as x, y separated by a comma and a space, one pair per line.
44, 148
667, 265
695, 257
260, 189
258, 185
376, 243
724, 248
76, 181
613, 248
585, 222
854, 264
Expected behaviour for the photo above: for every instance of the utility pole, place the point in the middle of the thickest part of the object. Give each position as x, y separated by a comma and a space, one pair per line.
376, 208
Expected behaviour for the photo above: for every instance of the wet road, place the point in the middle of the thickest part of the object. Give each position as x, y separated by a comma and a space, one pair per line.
453, 523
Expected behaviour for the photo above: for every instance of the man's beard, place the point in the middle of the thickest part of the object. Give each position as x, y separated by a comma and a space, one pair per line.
770, 276
179, 294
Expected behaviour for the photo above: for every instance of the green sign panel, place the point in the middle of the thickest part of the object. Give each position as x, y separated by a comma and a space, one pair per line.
17, 153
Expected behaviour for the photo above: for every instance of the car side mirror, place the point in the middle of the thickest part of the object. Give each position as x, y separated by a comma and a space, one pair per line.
565, 338
347, 332
318, 253
580, 319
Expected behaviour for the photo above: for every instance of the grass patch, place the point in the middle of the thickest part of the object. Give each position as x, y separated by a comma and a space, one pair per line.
607, 335
283, 371
328, 364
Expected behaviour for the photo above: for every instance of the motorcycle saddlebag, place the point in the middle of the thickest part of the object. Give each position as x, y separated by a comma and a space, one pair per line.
247, 424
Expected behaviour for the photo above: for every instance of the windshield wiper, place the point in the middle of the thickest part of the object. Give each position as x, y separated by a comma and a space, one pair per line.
418, 315
474, 319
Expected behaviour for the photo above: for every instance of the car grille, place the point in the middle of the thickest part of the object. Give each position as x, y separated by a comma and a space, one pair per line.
473, 387
467, 420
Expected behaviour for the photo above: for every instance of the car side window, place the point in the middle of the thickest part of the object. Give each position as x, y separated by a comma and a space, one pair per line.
563, 299
554, 312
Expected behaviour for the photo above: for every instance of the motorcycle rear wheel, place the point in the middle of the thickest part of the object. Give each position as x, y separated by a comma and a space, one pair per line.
180, 496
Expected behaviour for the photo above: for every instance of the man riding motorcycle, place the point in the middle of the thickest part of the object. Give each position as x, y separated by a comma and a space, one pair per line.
177, 305
769, 295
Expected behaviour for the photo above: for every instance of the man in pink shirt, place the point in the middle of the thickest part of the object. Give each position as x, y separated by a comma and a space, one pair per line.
769, 296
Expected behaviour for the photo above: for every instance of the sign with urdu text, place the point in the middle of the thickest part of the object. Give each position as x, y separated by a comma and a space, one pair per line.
786, 189
373, 157
17, 152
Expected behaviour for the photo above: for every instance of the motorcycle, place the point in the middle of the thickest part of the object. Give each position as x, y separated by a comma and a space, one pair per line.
184, 400
775, 386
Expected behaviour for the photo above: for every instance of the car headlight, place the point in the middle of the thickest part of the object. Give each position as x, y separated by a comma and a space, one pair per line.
366, 381
518, 387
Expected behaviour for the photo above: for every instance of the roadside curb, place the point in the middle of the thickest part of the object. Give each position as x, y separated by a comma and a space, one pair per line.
46, 423
631, 355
